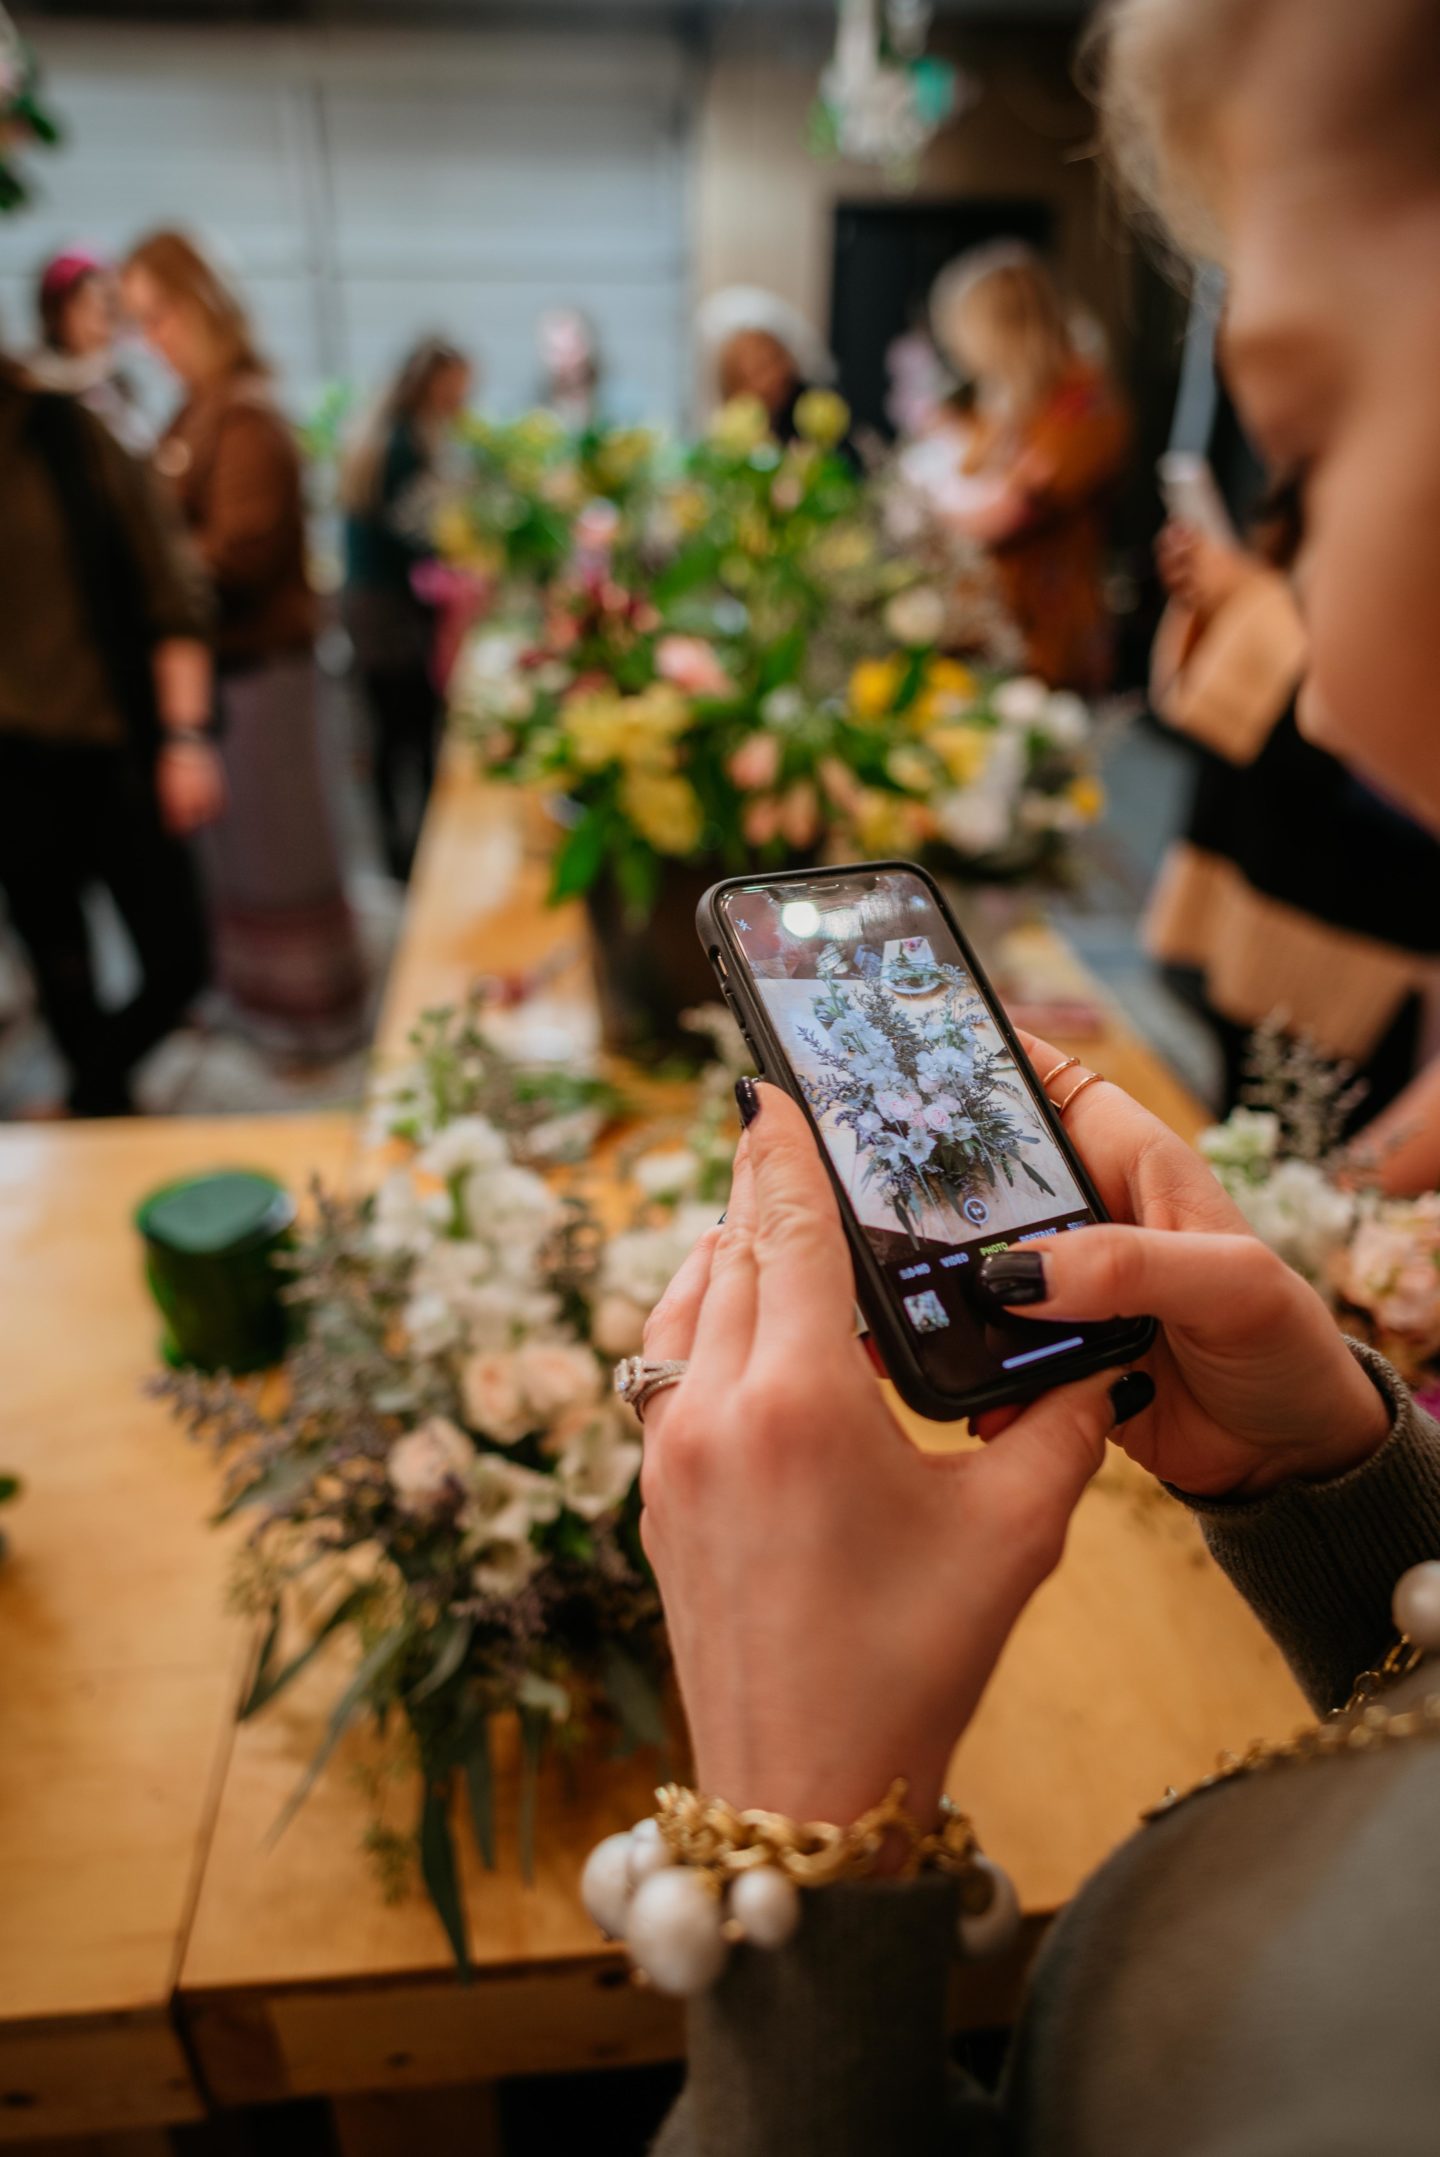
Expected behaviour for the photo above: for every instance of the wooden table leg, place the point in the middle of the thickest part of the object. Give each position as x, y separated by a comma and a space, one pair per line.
460, 2122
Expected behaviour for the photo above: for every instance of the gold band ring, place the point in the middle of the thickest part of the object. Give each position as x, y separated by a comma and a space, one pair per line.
1066, 1063
1091, 1078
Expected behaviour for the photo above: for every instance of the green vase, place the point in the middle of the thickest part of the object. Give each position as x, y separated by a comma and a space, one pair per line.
215, 1250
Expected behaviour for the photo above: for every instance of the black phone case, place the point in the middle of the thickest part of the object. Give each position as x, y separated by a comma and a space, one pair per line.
875, 1295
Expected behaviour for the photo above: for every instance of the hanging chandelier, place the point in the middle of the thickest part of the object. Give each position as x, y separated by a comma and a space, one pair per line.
883, 97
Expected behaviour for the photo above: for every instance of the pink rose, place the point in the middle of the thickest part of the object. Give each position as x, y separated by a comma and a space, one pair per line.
936, 1115
800, 815
841, 784
761, 821
555, 1376
692, 665
493, 1400
897, 1107
756, 763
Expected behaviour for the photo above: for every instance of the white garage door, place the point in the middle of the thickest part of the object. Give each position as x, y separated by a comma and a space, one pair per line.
371, 187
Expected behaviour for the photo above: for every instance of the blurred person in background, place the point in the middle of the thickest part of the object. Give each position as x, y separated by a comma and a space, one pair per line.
287, 954
392, 481
570, 367
760, 346
1050, 442
77, 307
1295, 891
106, 761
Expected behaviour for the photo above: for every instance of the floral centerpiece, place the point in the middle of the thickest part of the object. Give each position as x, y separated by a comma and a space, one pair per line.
1283, 1160
928, 1102
25, 118
446, 1476
532, 496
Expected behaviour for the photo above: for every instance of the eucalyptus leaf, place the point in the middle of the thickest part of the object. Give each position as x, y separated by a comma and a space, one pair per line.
267, 1683
454, 1637
480, 1789
439, 1872
283, 1480
385, 1652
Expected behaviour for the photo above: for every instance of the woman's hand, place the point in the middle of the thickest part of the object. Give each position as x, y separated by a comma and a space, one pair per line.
190, 782
836, 1599
1199, 571
1254, 1385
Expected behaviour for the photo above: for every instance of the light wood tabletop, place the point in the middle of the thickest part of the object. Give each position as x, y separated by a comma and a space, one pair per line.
118, 1664
1133, 1667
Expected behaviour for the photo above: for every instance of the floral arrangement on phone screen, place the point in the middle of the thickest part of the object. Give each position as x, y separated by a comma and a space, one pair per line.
932, 1108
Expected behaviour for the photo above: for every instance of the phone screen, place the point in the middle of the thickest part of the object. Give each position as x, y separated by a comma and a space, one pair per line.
932, 1127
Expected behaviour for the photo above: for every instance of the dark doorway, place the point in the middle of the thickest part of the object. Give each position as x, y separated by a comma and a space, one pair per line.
887, 256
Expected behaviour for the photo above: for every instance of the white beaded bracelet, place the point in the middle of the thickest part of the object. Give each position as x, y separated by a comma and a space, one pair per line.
683, 1887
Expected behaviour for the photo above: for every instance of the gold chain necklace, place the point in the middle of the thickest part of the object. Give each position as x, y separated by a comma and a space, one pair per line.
1377, 1726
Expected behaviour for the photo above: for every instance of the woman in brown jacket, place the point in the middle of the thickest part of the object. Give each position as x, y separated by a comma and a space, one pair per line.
286, 947
1053, 436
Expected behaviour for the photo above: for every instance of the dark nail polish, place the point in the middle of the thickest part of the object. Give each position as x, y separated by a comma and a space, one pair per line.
1132, 1395
747, 1099
1014, 1277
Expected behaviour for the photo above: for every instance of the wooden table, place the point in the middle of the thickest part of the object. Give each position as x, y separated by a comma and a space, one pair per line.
118, 1663
1132, 1668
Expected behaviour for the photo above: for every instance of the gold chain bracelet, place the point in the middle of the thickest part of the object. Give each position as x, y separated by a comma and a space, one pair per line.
712, 1836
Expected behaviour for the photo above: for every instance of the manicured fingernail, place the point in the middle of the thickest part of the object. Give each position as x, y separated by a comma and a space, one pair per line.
1014, 1277
748, 1100
1131, 1395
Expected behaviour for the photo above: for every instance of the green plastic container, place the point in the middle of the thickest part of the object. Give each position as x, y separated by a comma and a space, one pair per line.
215, 1251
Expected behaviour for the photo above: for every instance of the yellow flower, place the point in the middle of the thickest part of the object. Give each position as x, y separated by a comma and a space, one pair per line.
950, 677
1086, 797
822, 417
621, 454
886, 824
637, 731
911, 768
740, 426
539, 430
689, 508
458, 541
664, 809
963, 750
845, 547
873, 687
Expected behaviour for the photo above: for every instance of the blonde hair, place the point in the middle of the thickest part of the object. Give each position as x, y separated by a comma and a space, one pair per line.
363, 461
185, 272
1363, 73
1003, 298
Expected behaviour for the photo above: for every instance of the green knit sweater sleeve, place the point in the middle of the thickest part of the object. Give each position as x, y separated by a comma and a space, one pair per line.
1318, 1562
836, 2045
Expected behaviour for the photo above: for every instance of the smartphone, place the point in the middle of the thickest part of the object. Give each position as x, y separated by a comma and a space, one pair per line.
1191, 496
858, 994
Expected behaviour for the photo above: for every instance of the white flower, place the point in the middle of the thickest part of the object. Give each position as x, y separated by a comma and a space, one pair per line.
442, 1285
975, 822
505, 1503
1246, 1144
783, 706
916, 617
493, 1396
640, 1263
1300, 1214
429, 1467
405, 1219
1022, 702
667, 1172
556, 1377
617, 1325
599, 1459
499, 1313
470, 1142
512, 1206
1067, 719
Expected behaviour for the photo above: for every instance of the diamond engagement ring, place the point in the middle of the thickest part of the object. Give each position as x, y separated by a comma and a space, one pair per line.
637, 1381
